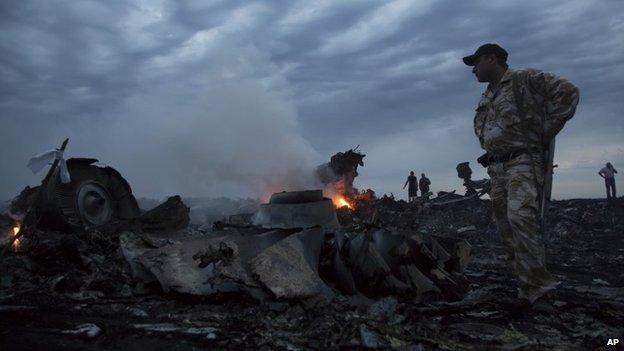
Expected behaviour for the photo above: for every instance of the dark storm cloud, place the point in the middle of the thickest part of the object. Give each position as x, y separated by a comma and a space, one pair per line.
225, 97
390, 89
417, 66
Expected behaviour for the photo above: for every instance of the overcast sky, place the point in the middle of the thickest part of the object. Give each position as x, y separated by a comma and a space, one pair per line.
211, 98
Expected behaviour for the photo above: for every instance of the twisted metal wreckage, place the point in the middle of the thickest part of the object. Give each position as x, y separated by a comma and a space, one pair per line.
294, 246
74, 286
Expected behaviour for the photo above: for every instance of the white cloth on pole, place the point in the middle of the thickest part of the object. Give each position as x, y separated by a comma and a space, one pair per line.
39, 162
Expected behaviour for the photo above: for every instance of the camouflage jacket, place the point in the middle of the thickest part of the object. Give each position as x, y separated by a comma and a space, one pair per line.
548, 101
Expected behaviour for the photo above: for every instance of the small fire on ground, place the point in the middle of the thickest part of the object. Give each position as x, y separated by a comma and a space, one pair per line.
14, 231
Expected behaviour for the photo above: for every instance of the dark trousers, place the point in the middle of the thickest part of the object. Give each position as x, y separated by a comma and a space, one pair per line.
412, 192
610, 185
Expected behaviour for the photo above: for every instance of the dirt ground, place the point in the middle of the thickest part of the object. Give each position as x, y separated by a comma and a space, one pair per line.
46, 307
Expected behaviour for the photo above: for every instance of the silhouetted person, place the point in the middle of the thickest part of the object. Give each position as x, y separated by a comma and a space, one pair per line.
608, 173
412, 190
424, 184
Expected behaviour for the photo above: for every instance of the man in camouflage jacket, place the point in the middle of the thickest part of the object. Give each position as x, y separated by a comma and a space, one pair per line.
517, 117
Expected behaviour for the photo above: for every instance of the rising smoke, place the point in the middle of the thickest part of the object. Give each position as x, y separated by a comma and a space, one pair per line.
227, 128
212, 117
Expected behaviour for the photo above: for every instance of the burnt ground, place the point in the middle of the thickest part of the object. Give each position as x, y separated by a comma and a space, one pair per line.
44, 299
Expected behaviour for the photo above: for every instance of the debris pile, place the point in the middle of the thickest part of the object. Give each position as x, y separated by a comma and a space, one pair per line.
338, 174
473, 187
439, 216
96, 197
297, 274
172, 214
299, 251
87, 286
297, 209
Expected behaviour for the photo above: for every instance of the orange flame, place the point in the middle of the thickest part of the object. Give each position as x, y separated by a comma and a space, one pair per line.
339, 201
16, 243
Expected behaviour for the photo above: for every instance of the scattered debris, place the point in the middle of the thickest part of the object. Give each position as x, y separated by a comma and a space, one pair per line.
137, 312
374, 262
9, 308
470, 228
172, 214
599, 281
370, 339
297, 209
391, 275
289, 268
96, 197
340, 172
476, 188
384, 309
88, 330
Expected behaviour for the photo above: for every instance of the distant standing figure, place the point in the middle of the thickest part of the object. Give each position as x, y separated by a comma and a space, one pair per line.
412, 190
424, 184
608, 173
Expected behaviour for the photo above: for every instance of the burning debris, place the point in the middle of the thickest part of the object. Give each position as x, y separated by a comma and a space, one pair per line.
302, 272
316, 277
285, 262
297, 209
14, 234
338, 175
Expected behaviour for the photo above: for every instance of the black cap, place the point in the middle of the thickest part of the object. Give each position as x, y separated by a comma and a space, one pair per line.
486, 49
